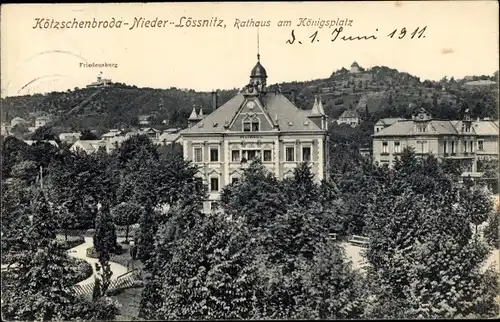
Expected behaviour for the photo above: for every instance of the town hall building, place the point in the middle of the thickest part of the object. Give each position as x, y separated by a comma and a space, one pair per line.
255, 124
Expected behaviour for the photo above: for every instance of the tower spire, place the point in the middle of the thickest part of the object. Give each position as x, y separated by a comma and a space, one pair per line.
258, 49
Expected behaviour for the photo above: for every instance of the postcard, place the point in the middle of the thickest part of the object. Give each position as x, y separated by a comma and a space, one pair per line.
250, 160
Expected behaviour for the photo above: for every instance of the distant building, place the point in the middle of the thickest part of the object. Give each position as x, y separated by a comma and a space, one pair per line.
90, 146
355, 68
144, 119
383, 123
466, 141
350, 117
100, 82
31, 142
70, 137
112, 134
482, 83
41, 121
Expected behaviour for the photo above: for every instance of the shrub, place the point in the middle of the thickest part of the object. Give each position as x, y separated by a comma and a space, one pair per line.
81, 270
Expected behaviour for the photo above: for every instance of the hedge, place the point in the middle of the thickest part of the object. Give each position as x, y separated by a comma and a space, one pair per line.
71, 242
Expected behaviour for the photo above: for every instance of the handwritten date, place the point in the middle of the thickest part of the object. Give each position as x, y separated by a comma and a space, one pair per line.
337, 34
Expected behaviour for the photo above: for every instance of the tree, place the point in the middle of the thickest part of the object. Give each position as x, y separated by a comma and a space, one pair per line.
126, 214
301, 187
88, 135
39, 286
257, 198
43, 133
105, 245
210, 274
425, 262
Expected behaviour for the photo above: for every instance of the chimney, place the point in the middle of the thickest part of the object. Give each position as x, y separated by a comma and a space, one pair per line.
214, 100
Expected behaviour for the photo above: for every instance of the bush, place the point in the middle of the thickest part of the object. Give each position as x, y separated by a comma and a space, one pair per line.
81, 270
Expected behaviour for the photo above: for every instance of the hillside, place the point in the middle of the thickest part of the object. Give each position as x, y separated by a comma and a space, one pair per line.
379, 91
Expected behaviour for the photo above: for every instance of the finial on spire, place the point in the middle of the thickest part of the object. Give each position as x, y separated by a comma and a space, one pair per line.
258, 50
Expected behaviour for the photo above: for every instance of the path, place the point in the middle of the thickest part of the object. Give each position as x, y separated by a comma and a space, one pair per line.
354, 254
80, 251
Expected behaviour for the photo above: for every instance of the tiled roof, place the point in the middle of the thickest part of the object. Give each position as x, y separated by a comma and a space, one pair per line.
389, 121
168, 137
443, 127
290, 117
349, 114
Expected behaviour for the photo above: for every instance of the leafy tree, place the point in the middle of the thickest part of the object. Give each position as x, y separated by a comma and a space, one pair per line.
424, 260
257, 198
88, 135
210, 274
44, 133
126, 214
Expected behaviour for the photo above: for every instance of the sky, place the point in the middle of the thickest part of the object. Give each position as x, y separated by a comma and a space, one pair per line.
461, 38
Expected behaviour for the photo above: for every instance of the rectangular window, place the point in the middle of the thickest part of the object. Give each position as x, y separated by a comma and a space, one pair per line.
246, 127
255, 126
214, 184
445, 147
471, 146
214, 155
480, 144
397, 147
465, 146
235, 156
268, 155
452, 146
198, 154
306, 153
199, 184
251, 154
385, 147
290, 154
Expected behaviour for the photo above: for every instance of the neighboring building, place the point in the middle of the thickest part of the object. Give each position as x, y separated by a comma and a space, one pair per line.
355, 68
70, 137
466, 141
31, 142
41, 121
350, 116
151, 133
113, 133
383, 123
100, 82
91, 146
255, 124
169, 138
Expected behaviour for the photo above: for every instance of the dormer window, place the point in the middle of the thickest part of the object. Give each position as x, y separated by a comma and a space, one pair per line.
250, 126
421, 128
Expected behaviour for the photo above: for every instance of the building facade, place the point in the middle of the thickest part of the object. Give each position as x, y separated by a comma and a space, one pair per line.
350, 117
466, 141
255, 124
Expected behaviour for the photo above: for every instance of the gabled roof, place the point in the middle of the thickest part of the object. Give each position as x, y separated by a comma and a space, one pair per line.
349, 114
90, 145
290, 117
389, 121
168, 137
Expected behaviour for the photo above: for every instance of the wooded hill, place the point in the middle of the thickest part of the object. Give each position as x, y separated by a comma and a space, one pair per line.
375, 93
